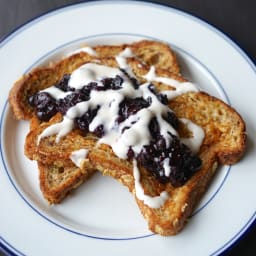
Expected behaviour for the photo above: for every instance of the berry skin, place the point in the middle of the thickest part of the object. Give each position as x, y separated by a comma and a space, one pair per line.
44, 104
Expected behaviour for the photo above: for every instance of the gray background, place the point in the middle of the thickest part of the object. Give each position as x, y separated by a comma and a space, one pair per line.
236, 18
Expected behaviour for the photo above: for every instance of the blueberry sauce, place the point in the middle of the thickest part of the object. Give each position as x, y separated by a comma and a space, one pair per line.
169, 162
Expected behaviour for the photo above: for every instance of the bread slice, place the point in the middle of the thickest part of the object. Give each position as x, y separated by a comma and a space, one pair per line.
149, 52
60, 176
50, 156
47, 151
224, 143
154, 53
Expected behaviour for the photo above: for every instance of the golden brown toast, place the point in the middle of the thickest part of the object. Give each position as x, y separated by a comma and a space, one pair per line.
149, 52
58, 179
59, 176
47, 152
224, 143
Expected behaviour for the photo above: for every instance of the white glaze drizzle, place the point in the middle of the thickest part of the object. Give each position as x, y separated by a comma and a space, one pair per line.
136, 137
194, 142
121, 59
86, 49
61, 129
167, 169
78, 156
56, 93
180, 87
130, 132
91, 72
151, 201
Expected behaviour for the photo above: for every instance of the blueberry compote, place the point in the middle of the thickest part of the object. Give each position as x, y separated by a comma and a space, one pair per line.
169, 161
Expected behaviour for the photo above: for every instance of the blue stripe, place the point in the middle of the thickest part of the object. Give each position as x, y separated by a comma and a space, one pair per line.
8, 249
166, 8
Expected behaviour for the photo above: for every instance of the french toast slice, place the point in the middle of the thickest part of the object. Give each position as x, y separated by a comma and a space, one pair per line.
47, 151
149, 52
57, 176
49, 155
224, 143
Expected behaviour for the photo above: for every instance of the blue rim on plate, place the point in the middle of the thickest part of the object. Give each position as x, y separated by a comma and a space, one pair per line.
9, 248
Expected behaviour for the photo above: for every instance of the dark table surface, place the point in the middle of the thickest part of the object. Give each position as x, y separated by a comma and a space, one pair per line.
236, 18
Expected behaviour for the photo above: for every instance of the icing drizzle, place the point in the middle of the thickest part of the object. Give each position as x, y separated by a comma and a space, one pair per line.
133, 132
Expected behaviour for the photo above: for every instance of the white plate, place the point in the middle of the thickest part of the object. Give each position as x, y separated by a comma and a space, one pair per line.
101, 217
